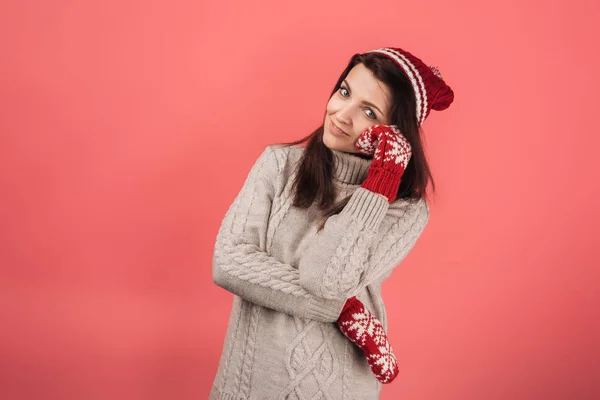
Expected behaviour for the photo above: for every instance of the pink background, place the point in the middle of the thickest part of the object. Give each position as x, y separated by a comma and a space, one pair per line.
127, 128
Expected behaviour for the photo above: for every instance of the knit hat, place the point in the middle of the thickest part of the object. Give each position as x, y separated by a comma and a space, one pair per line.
430, 89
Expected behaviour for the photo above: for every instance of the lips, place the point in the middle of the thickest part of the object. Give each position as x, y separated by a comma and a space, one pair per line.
334, 126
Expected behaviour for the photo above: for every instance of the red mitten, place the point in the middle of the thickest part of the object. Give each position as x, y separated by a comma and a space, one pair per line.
391, 153
365, 330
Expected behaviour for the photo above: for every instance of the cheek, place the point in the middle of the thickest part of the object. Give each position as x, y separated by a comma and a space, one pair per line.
360, 128
333, 105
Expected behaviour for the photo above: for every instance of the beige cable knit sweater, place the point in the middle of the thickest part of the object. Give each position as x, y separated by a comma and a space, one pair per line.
290, 281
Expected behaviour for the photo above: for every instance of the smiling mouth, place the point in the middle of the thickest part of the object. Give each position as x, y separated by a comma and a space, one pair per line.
334, 126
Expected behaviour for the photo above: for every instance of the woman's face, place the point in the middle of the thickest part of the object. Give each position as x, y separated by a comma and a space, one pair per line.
360, 102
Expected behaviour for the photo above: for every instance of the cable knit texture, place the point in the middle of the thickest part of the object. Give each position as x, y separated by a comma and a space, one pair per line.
291, 281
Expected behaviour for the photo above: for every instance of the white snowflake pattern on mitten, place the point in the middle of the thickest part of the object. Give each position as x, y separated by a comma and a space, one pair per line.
366, 331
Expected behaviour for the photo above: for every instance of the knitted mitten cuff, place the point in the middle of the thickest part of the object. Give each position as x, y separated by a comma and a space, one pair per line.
382, 181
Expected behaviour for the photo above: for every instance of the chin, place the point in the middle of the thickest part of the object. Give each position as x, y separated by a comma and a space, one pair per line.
333, 144
330, 141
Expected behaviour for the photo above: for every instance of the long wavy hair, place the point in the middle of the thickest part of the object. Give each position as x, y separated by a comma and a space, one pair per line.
313, 182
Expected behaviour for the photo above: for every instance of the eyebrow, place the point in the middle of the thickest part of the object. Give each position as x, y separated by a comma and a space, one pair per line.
364, 101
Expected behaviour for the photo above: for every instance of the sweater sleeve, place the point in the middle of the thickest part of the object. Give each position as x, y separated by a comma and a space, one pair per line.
241, 264
361, 244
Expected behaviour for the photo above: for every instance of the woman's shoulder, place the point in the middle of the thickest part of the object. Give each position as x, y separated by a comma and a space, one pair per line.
287, 150
285, 154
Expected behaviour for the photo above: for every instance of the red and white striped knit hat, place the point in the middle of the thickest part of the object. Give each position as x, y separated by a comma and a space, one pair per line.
431, 91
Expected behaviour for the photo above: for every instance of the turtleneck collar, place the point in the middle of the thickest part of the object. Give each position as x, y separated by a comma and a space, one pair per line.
348, 168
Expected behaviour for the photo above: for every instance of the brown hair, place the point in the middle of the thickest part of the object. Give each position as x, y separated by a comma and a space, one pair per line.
313, 181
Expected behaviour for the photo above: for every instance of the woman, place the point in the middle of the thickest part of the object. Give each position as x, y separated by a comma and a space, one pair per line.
315, 230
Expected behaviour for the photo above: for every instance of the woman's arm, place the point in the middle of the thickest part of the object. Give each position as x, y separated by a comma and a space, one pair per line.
356, 247
368, 238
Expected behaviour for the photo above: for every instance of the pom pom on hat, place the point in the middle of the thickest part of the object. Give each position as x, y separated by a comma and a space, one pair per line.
431, 92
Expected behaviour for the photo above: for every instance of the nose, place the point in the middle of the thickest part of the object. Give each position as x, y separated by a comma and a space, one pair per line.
343, 116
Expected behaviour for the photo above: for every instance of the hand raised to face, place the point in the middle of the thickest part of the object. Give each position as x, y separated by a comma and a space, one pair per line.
391, 153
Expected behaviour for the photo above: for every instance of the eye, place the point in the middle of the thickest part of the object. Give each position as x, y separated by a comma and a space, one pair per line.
342, 89
371, 111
